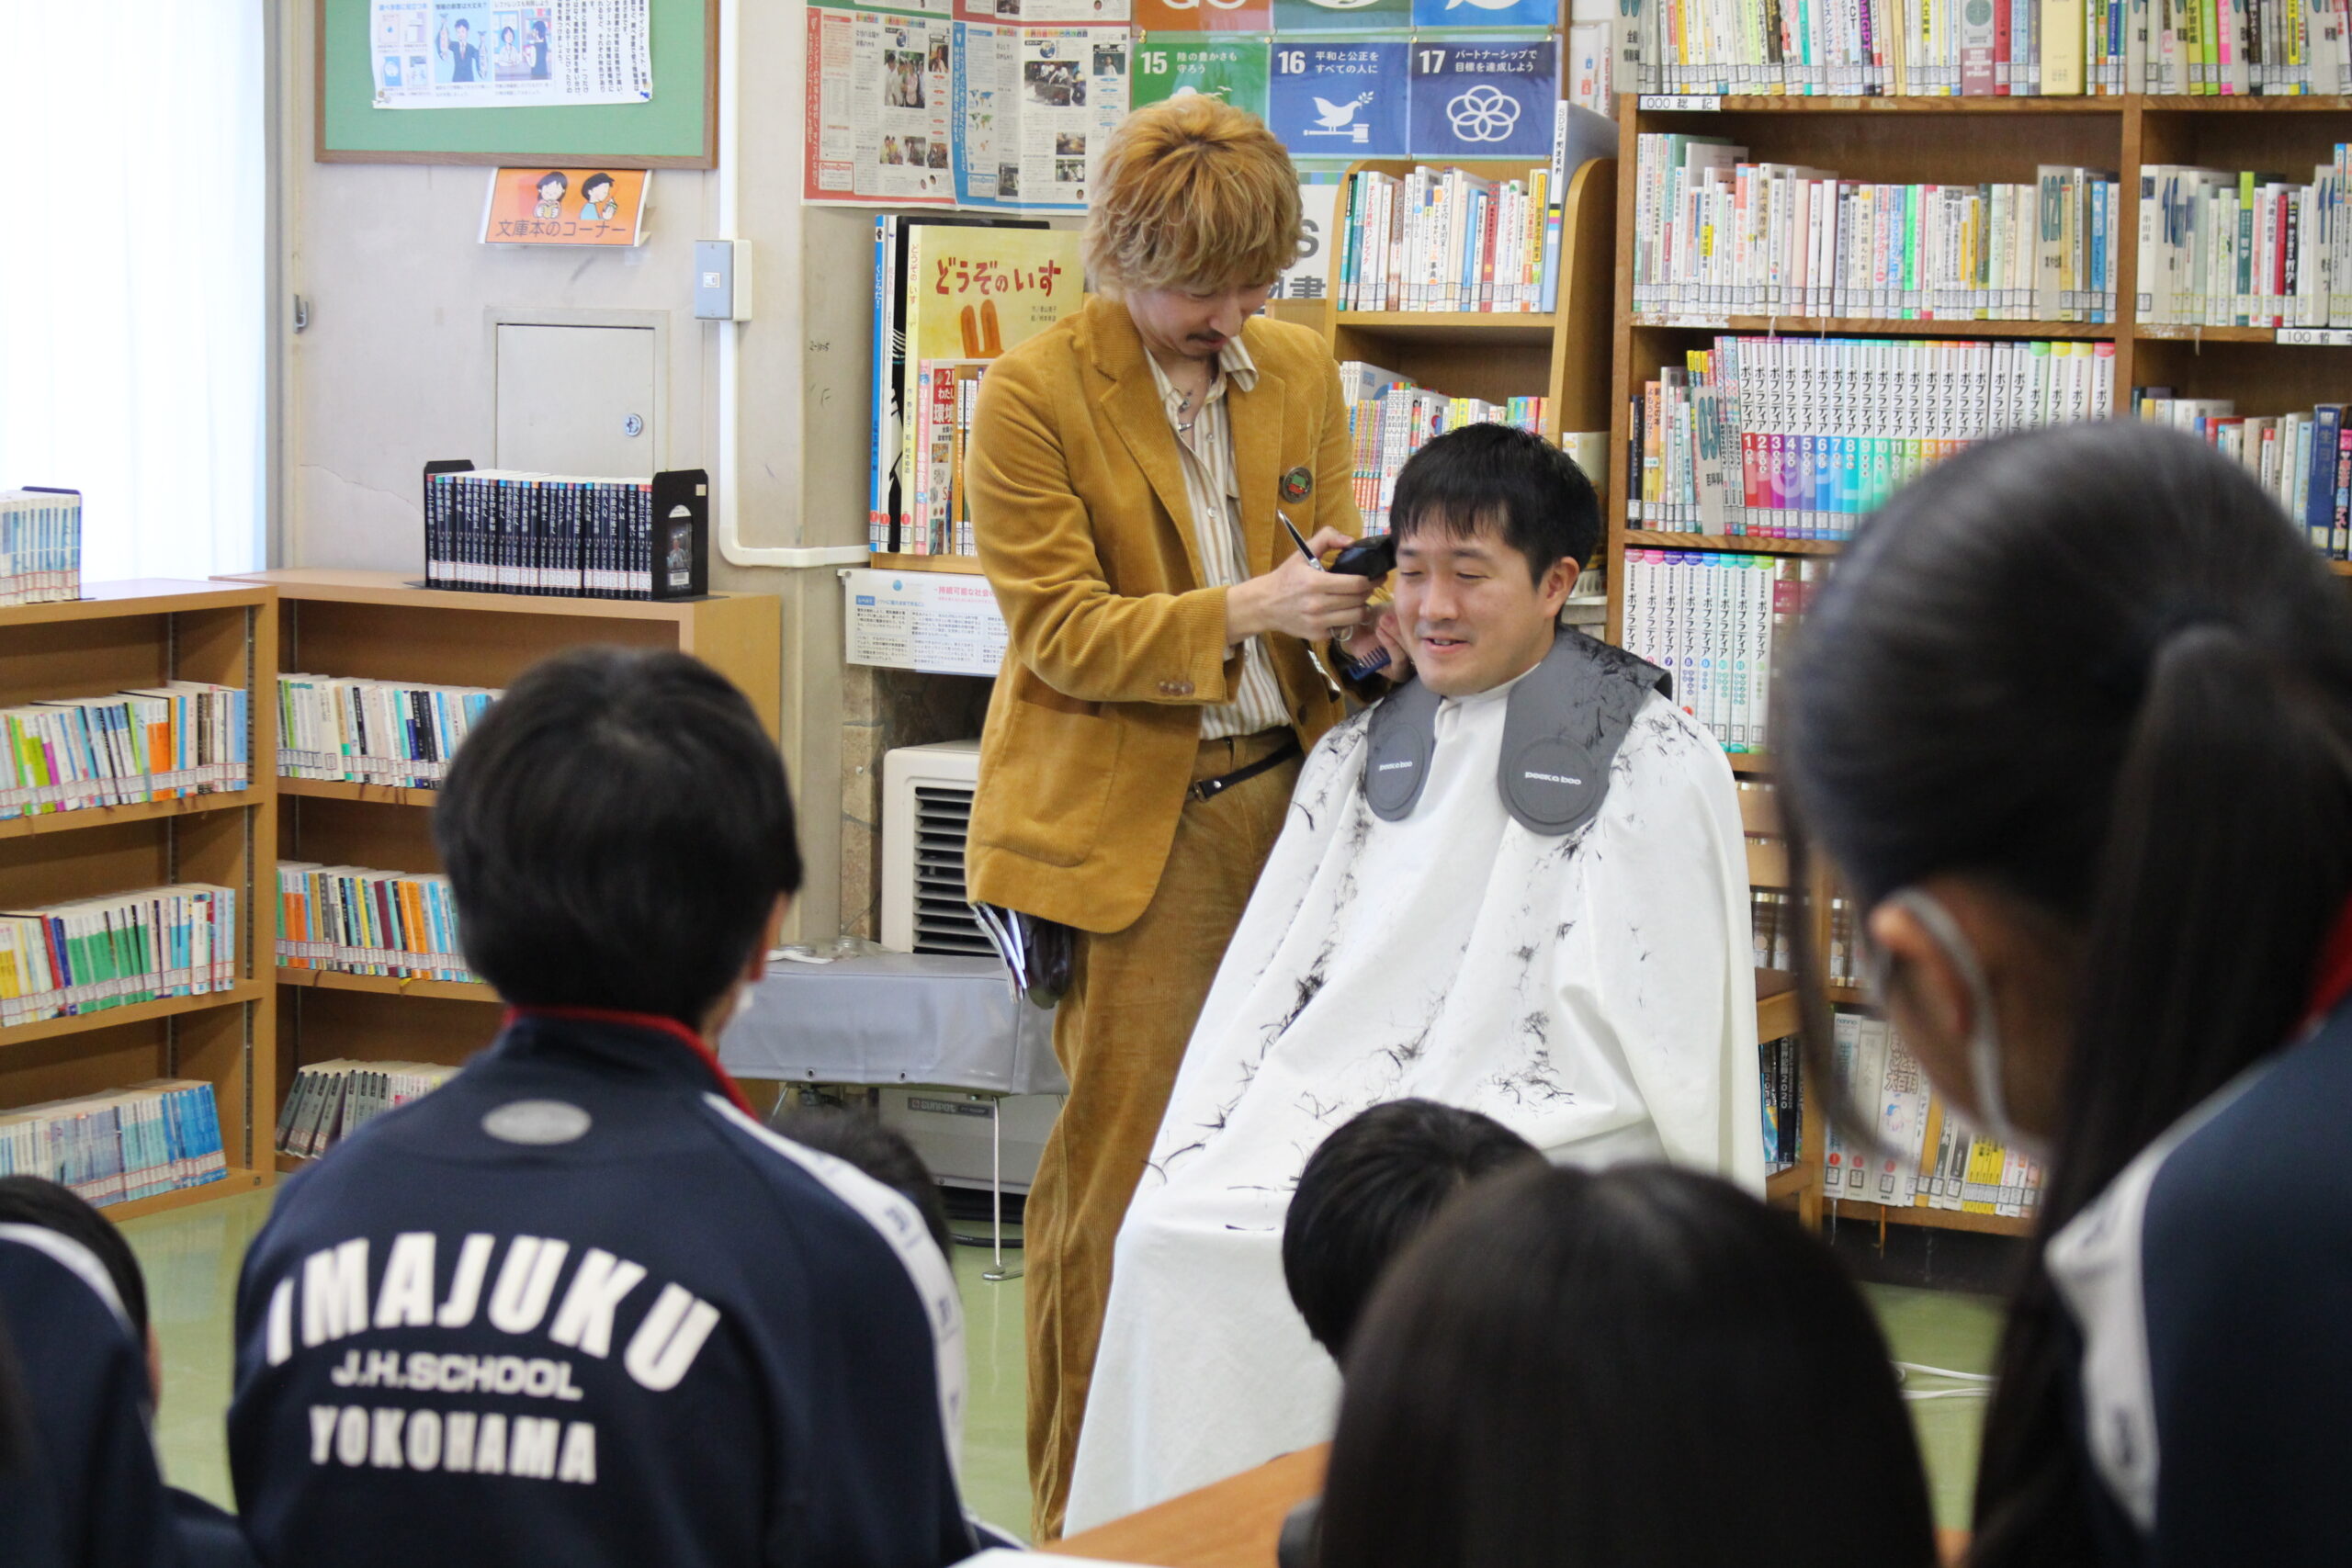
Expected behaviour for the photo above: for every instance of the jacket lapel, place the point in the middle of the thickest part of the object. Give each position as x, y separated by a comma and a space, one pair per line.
1255, 417
1131, 403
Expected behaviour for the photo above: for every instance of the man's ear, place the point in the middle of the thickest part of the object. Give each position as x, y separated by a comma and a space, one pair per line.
1553, 589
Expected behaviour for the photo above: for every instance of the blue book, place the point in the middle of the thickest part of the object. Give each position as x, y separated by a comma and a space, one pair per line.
2319, 511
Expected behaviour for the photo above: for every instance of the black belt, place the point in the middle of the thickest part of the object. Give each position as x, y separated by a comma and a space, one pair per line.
1209, 789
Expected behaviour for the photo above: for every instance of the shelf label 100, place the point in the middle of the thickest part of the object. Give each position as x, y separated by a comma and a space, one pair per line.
2316, 337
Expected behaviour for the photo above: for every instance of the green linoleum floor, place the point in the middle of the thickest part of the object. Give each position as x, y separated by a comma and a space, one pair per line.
191, 1254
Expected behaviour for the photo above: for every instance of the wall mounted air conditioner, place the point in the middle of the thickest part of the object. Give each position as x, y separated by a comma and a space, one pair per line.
926, 807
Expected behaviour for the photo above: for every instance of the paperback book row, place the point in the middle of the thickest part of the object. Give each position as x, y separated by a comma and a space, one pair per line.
399, 733
1390, 418
950, 296
2304, 460
1782, 1065
510, 531
2005, 48
330, 1100
89, 955
1797, 439
1914, 1150
126, 1143
1713, 621
1440, 238
357, 921
2242, 249
41, 546
1715, 233
157, 743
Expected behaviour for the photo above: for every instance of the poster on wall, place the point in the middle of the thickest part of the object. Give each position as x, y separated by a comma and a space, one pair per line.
1171, 65
1310, 16
441, 54
1319, 204
1032, 108
1489, 98
1521, 14
1338, 97
942, 622
1203, 16
879, 107
1044, 12
540, 206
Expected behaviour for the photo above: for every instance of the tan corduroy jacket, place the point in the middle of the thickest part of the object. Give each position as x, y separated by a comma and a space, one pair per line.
1080, 509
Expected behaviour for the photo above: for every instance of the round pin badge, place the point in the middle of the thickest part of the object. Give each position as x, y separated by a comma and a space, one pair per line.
1297, 485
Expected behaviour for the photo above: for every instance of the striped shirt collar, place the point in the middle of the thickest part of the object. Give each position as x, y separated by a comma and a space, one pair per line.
1233, 363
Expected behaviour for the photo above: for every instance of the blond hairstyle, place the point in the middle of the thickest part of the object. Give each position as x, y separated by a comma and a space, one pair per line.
1193, 193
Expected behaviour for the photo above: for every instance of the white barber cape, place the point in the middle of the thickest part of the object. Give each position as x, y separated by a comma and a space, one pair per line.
1595, 992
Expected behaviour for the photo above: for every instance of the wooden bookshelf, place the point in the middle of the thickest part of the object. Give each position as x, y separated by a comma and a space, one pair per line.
143, 633
377, 625
969, 566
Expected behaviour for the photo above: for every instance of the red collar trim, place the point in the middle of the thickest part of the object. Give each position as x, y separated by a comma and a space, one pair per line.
669, 1026
2332, 979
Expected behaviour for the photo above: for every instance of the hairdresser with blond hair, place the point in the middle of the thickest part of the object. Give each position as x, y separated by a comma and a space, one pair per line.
1167, 666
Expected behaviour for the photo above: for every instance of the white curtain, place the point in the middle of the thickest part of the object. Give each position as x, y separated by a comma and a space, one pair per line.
132, 235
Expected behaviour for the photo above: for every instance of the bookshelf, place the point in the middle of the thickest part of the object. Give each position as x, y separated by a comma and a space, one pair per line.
2266, 371
136, 633
378, 625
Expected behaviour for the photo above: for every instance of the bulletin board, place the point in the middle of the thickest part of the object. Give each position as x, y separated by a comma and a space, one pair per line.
677, 128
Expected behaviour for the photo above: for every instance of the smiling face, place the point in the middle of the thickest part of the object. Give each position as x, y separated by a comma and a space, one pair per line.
1192, 324
1472, 615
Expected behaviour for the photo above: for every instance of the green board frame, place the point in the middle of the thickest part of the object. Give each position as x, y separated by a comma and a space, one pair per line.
678, 130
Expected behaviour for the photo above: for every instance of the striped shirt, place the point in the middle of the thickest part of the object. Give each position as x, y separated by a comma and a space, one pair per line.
1210, 489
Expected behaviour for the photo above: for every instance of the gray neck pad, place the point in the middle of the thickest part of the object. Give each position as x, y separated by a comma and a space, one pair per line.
1562, 727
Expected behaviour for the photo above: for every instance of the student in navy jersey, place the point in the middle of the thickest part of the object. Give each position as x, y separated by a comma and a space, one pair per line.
578, 1306
2073, 720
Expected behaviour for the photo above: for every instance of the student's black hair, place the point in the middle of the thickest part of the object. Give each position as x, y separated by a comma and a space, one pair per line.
32, 1201
592, 181
1569, 1370
563, 181
2096, 667
461, 22
1368, 1189
1500, 476
506, 32
616, 830
859, 1138
540, 26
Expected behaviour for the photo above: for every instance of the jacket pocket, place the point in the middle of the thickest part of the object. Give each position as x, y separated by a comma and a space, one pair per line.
1050, 785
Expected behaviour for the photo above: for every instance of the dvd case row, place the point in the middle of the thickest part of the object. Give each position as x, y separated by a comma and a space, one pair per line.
1716, 233
1998, 47
1799, 437
88, 955
2220, 248
510, 531
158, 743
1713, 621
1444, 239
41, 546
120, 1145
1781, 1065
360, 921
2304, 461
330, 1100
380, 732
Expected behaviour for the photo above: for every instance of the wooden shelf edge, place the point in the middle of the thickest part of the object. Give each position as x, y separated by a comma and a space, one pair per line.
1789, 1183
336, 585
1877, 326
1930, 1219
238, 1179
387, 985
1749, 764
969, 566
347, 789
141, 811
144, 596
140, 1012
2341, 567
1731, 544
1448, 321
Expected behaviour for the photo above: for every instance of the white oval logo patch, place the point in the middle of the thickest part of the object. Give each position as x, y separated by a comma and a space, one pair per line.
536, 1121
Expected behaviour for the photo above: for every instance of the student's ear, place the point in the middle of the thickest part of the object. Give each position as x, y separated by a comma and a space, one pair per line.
757, 968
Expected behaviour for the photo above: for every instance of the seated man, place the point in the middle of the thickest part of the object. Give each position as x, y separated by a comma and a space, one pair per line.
1516, 885
578, 1306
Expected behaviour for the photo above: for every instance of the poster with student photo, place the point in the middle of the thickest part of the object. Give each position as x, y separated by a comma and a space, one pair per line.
1045, 13
1487, 98
1171, 65
1338, 97
428, 54
880, 94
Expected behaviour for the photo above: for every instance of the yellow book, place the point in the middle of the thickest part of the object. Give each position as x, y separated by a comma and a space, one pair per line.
2062, 48
1985, 1161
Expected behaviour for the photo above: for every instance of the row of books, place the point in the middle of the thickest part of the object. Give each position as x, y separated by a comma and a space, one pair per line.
2304, 460
940, 522
360, 921
1390, 418
1712, 621
1798, 437
156, 743
1915, 1151
41, 546
1716, 233
121, 1144
1782, 1065
88, 955
508, 531
379, 732
2242, 249
1442, 239
1773, 913
2005, 48
330, 1100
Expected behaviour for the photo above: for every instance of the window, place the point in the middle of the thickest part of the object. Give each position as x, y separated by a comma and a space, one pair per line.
134, 345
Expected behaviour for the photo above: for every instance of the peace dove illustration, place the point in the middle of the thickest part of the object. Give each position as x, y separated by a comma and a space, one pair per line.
1335, 116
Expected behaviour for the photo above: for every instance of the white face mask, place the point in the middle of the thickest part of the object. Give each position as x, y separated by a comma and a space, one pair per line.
1985, 1031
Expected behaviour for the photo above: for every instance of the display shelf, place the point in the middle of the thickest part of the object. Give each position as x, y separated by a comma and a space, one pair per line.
387, 985
138, 811
969, 566
237, 1178
1731, 544
138, 1012
1486, 326
2180, 331
1856, 1209
351, 789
